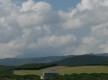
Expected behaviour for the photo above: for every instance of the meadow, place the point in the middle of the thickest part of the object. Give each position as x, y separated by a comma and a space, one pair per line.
65, 70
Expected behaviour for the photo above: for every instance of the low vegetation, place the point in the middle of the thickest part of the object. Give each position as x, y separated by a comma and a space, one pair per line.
93, 76
66, 70
85, 67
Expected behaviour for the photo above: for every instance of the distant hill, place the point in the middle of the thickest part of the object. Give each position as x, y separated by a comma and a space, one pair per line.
21, 61
102, 54
50, 59
83, 60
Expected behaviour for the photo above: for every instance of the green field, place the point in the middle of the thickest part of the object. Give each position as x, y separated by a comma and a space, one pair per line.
66, 70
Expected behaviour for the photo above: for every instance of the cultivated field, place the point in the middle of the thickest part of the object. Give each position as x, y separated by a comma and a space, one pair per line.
66, 70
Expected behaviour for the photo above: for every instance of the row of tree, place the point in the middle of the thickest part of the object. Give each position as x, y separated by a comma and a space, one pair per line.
34, 66
93, 76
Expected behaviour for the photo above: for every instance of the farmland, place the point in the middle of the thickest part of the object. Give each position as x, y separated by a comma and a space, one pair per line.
66, 70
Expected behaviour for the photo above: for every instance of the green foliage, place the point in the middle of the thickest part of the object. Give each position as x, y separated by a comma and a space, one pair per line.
6, 70
84, 60
6, 74
34, 66
16, 77
93, 76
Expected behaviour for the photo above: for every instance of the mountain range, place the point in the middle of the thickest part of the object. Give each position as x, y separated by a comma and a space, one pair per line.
21, 61
59, 59
83, 60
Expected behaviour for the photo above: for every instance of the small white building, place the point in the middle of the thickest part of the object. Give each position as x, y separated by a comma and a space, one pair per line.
49, 74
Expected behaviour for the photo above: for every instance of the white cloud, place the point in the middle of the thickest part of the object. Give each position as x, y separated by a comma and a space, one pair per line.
26, 6
30, 5
37, 14
34, 28
96, 42
55, 41
86, 14
90, 15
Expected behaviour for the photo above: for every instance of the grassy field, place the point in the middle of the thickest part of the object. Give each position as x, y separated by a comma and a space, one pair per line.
66, 70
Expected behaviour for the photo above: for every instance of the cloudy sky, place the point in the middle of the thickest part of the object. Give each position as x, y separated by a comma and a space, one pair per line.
37, 28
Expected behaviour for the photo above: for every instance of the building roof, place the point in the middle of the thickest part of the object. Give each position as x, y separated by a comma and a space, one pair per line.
51, 71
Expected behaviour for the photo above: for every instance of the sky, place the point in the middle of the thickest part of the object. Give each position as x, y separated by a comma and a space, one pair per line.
38, 28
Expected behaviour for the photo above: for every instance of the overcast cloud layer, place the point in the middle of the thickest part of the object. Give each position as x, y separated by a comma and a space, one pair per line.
35, 29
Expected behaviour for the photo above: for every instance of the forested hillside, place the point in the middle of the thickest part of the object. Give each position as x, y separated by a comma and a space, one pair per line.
84, 60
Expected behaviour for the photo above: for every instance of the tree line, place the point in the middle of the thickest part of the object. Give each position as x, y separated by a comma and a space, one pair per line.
34, 66
83, 76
